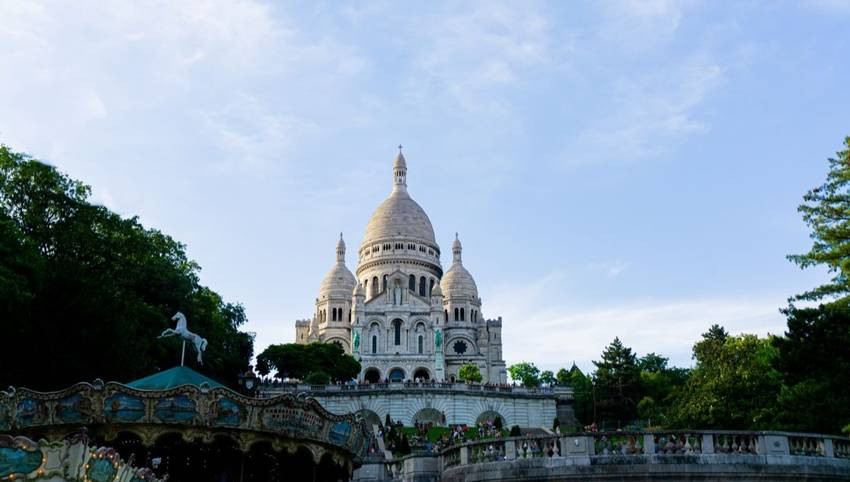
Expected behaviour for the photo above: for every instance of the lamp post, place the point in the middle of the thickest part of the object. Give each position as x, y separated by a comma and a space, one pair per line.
248, 380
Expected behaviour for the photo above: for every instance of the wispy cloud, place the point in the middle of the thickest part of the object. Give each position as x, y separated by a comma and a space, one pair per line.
551, 328
470, 52
648, 114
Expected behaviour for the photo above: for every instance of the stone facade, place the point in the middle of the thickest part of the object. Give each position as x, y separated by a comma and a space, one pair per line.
401, 316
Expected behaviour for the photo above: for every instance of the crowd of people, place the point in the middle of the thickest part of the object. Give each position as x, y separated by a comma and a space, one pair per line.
420, 381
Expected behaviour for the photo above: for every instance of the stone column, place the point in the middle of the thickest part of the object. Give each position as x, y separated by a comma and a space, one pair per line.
510, 450
649, 444
707, 443
464, 455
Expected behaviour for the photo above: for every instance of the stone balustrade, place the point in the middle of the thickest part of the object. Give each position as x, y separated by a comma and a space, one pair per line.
697, 454
272, 389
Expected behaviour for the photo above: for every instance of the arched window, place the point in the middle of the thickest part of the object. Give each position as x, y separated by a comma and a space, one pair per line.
374, 285
461, 314
431, 287
397, 330
374, 344
349, 316
366, 286
422, 286
457, 314
384, 284
411, 283
420, 344
447, 315
333, 314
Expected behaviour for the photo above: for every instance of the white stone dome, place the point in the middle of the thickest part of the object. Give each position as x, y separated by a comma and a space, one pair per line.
399, 216
339, 282
457, 281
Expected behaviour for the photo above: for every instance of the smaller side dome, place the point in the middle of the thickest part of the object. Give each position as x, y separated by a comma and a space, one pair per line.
458, 282
338, 282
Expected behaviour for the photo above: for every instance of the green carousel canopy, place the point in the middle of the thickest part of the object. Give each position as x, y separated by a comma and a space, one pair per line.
172, 378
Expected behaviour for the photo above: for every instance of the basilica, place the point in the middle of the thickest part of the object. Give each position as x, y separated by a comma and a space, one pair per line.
400, 315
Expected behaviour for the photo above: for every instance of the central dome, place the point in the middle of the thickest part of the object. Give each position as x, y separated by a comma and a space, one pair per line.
399, 216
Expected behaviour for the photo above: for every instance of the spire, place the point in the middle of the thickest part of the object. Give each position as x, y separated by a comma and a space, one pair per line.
456, 250
340, 250
399, 172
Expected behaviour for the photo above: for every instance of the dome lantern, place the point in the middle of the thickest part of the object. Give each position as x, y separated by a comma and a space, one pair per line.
340, 250
399, 172
457, 248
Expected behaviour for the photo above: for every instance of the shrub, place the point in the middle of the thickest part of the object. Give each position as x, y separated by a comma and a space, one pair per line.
317, 377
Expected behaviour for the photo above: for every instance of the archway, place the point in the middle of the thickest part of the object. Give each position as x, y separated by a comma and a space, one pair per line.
396, 375
372, 375
489, 416
369, 416
429, 415
422, 374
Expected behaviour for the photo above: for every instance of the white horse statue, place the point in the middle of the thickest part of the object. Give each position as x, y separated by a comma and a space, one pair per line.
183, 332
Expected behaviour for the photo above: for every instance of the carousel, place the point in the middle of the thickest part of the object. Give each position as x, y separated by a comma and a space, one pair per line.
175, 425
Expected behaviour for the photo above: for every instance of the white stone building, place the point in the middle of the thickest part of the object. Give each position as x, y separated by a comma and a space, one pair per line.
401, 316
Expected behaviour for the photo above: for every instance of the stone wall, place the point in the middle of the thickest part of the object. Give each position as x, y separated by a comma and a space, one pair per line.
460, 403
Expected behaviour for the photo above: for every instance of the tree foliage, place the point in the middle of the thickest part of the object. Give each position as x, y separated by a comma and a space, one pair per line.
826, 210
660, 384
814, 363
733, 385
617, 381
583, 393
292, 360
525, 373
469, 373
84, 292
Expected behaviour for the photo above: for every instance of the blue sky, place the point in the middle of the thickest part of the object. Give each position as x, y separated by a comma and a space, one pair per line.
613, 168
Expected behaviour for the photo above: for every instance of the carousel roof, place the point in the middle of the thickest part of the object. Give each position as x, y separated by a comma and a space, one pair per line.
171, 378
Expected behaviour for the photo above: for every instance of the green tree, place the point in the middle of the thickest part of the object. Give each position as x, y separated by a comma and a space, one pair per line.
660, 384
94, 289
469, 373
292, 360
317, 377
547, 378
617, 381
563, 376
826, 210
526, 373
814, 363
583, 395
733, 384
